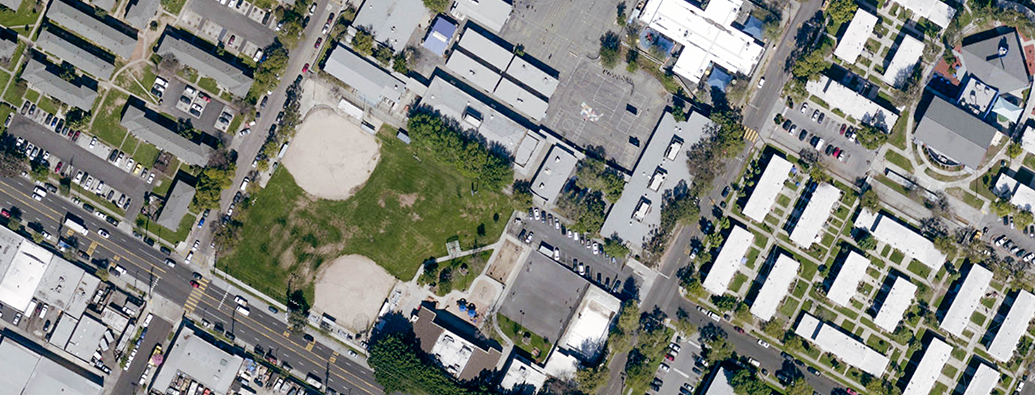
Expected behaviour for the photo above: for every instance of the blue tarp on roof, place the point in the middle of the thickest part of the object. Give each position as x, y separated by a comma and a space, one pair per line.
753, 27
719, 79
438, 37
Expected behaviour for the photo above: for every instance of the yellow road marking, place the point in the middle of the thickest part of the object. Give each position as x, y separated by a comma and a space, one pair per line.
332, 358
92, 248
287, 333
750, 134
116, 258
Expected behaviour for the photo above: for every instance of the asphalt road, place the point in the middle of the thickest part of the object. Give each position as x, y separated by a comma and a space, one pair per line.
157, 332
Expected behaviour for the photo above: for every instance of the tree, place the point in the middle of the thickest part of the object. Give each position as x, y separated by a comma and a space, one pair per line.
592, 380
871, 137
614, 246
40, 171
799, 387
383, 55
742, 313
1002, 208
398, 367
621, 17
77, 118
399, 63
773, 327
363, 42
866, 241
869, 200
212, 181
11, 164
810, 66
291, 30
725, 302
744, 382
610, 46
771, 30
1013, 150
1023, 218
265, 76
630, 59
438, 6
841, 11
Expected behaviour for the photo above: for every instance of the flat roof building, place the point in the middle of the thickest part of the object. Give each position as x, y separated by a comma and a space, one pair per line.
906, 57
587, 333
996, 57
661, 167
391, 21
1013, 327
544, 296
984, 380
775, 287
86, 25
846, 284
193, 357
473, 71
140, 12
929, 368
486, 49
145, 125
767, 188
227, 76
491, 14
440, 35
44, 79
22, 273
1019, 194
831, 339
521, 99
67, 287
853, 41
729, 260
955, 133
967, 298
531, 76
372, 83
900, 237
707, 35
895, 304
852, 103
176, 205
27, 372
557, 167
935, 11
522, 377
86, 338
810, 223
456, 344
71, 53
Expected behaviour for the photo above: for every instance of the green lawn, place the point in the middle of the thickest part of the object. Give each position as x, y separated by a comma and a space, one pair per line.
129, 145
789, 307
26, 15
919, 268
106, 122
173, 6
897, 256
4, 78
127, 82
209, 84
49, 105
463, 271
899, 161
738, 281
32, 95
405, 213
167, 234
146, 154
879, 344
800, 288
15, 93
537, 347
898, 131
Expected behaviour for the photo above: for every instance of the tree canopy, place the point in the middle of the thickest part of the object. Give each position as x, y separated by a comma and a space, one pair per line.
448, 144
841, 11
399, 368
610, 48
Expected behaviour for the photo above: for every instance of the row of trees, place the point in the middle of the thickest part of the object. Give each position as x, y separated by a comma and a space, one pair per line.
213, 179
399, 368
447, 143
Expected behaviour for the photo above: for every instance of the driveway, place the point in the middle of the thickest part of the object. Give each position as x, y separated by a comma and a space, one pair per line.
859, 158
207, 121
235, 23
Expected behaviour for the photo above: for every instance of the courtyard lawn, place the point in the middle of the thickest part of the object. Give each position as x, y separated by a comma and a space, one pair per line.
106, 122
146, 154
163, 233
49, 105
537, 347
26, 15
405, 214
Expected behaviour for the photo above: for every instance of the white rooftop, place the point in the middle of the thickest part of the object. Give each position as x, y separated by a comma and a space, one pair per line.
587, 332
192, 356
475, 73
815, 215
889, 231
967, 299
558, 165
707, 36
984, 380
26, 372
831, 339
854, 39
933, 10
906, 56
851, 102
482, 47
1020, 195
929, 368
453, 352
1013, 327
767, 189
86, 338
846, 284
492, 14
524, 374
24, 275
532, 76
1028, 140
775, 288
521, 99
895, 304
67, 287
730, 258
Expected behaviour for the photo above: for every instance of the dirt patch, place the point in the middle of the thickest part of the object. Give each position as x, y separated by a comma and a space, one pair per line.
352, 289
407, 200
505, 261
331, 156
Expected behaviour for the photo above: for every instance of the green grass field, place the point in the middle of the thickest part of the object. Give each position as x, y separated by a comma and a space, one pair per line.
26, 15
106, 122
209, 84
15, 92
49, 105
146, 154
173, 237
285, 231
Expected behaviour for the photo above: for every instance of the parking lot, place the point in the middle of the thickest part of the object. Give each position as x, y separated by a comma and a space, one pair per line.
684, 370
857, 158
206, 122
219, 22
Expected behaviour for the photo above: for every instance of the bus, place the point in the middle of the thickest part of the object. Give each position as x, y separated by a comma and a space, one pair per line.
75, 223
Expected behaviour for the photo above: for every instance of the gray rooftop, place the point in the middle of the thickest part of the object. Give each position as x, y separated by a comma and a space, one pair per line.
391, 21
26, 372
202, 361
1007, 72
11, 4
475, 73
557, 167
86, 338
66, 287
37, 75
176, 205
226, 75
531, 76
955, 133
69, 52
93, 29
621, 220
145, 128
452, 101
521, 99
544, 296
103, 4
141, 12
7, 47
370, 81
486, 49
488, 13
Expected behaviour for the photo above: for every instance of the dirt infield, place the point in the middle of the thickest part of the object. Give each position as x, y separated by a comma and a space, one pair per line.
352, 289
505, 261
331, 157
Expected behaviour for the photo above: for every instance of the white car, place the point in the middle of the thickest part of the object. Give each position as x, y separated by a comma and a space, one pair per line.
103, 233
243, 310
241, 301
188, 258
763, 343
761, 81
93, 142
151, 177
78, 177
196, 244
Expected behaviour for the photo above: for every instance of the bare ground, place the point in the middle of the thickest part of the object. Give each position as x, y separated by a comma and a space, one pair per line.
331, 157
352, 289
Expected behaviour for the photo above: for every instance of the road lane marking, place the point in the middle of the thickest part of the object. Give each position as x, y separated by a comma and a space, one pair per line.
309, 346
92, 248
332, 358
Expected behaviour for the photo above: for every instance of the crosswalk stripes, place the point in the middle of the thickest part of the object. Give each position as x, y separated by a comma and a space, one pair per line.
750, 135
195, 296
334, 357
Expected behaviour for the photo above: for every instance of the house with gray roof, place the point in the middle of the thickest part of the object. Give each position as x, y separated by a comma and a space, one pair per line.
228, 76
176, 205
45, 80
140, 12
66, 50
391, 21
996, 58
373, 83
95, 30
142, 124
8, 43
955, 133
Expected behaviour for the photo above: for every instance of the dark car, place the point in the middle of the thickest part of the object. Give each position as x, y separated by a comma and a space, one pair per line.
726, 191
308, 337
787, 125
804, 133
829, 149
230, 335
197, 276
814, 371
272, 310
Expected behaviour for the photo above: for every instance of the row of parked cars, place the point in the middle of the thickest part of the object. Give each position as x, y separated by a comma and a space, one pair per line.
1007, 244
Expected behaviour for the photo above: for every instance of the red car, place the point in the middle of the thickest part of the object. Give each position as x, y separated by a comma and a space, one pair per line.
58, 168
194, 284
669, 357
738, 329
843, 126
5, 213
836, 152
318, 42
305, 69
